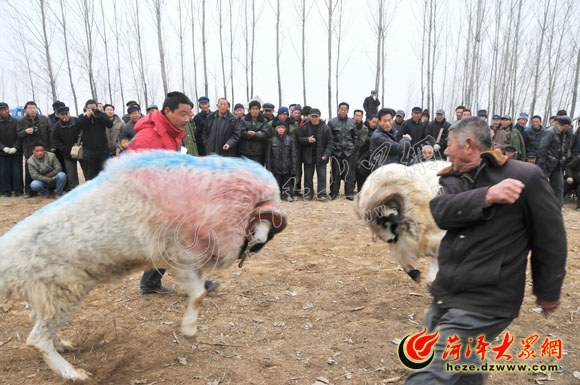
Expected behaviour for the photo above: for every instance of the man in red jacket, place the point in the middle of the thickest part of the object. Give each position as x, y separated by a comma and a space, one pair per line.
164, 130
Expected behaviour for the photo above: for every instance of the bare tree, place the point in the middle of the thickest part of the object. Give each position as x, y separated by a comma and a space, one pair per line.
278, 52
475, 57
62, 21
102, 31
330, 7
180, 30
339, 32
303, 12
46, 44
231, 50
193, 10
140, 56
86, 13
536, 75
203, 47
575, 84
221, 27
117, 41
158, 5
254, 21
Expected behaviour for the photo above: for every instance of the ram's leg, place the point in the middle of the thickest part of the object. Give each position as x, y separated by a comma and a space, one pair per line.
42, 338
61, 345
432, 273
413, 273
194, 284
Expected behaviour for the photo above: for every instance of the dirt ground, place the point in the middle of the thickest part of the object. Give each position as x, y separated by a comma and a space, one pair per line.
321, 300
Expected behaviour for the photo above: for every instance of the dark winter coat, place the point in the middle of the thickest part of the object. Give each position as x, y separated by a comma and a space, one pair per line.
214, 141
312, 153
343, 135
364, 150
432, 131
483, 255
532, 139
520, 128
552, 151
281, 155
573, 169
64, 136
415, 129
94, 130
41, 134
128, 130
200, 120
371, 106
257, 144
361, 135
385, 148
9, 136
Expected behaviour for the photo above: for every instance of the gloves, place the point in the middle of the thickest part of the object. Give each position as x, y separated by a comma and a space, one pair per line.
436, 147
6, 150
13, 151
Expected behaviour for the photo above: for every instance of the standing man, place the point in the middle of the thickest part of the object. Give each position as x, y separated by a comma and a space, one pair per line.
254, 134
361, 136
342, 166
481, 281
113, 133
239, 110
371, 104
437, 132
552, 155
10, 155
128, 130
482, 114
415, 129
466, 113
222, 131
315, 140
533, 136
200, 120
164, 130
32, 128
384, 147
506, 135
93, 128
495, 122
521, 123
363, 166
398, 121
459, 112
64, 135
268, 112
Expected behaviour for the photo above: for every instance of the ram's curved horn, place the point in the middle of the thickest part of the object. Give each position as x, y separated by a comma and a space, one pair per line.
269, 211
388, 197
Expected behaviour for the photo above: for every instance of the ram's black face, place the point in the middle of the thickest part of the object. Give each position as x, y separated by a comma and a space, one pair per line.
387, 225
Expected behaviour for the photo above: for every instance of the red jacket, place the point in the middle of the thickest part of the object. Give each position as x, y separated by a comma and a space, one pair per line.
154, 131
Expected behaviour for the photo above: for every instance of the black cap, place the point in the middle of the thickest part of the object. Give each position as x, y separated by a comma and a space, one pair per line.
417, 109
315, 111
510, 149
281, 123
306, 110
562, 120
482, 113
3, 105
130, 103
532, 155
62, 110
268, 107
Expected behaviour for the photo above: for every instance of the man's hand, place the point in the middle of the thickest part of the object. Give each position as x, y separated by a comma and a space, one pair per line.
407, 136
507, 191
89, 113
570, 180
548, 306
311, 139
29, 131
226, 147
251, 133
324, 158
436, 147
53, 178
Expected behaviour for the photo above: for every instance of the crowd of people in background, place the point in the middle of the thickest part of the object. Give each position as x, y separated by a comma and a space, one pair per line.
294, 143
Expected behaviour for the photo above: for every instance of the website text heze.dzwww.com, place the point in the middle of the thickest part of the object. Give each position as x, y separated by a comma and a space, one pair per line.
502, 368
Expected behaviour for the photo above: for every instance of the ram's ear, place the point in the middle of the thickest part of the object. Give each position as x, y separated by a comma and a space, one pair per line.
271, 212
382, 201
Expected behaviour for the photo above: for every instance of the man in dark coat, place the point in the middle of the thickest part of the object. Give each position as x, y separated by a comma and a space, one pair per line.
384, 147
315, 141
93, 128
200, 118
481, 281
281, 160
254, 134
534, 135
371, 104
10, 155
363, 165
437, 132
222, 131
521, 123
32, 128
414, 128
64, 135
572, 179
128, 130
552, 155
342, 166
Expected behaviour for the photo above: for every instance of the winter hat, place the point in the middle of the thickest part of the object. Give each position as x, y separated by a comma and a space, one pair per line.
298, 107
133, 108
400, 113
283, 110
482, 113
417, 109
440, 112
315, 111
3, 105
203, 99
281, 123
62, 110
238, 105
268, 107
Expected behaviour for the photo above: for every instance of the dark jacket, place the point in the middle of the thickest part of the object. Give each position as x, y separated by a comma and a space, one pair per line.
343, 136
364, 150
230, 135
371, 106
552, 151
361, 135
385, 148
200, 120
483, 256
432, 131
257, 144
44, 169
532, 139
41, 134
573, 169
9, 136
312, 153
64, 136
520, 128
128, 130
416, 130
281, 155
94, 130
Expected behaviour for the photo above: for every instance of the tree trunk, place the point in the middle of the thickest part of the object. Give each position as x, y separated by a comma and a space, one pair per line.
117, 39
338, 45
231, 52
221, 27
46, 44
536, 75
158, 7
181, 36
103, 34
303, 57
253, 47
193, 13
62, 23
423, 52
329, 4
575, 85
140, 54
204, 49
278, 52
515, 58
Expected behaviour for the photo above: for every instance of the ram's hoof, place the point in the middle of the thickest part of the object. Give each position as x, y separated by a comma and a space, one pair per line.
415, 275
